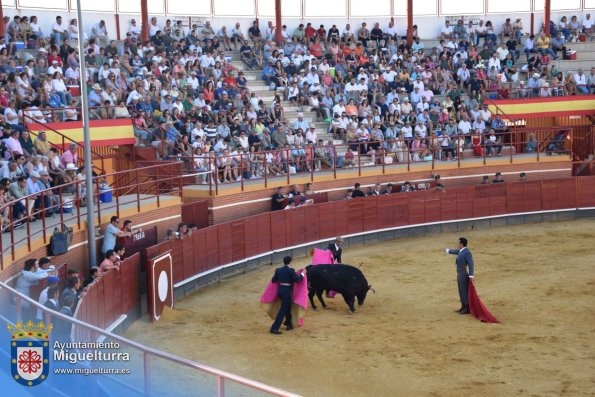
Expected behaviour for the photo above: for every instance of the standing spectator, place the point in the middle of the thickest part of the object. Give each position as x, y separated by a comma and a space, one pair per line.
111, 233
30, 275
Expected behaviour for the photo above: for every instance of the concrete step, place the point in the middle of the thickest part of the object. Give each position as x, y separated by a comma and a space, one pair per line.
566, 66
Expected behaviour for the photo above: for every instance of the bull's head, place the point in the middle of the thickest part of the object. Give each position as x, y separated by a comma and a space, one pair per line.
361, 297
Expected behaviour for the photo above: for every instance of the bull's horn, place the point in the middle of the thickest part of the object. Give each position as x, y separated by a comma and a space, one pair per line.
370, 288
360, 264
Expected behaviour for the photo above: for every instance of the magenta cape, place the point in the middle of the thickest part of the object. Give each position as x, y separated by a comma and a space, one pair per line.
477, 307
324, 257
270, 302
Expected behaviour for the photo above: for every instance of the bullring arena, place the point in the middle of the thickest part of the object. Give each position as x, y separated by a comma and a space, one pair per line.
536, 278
160, 160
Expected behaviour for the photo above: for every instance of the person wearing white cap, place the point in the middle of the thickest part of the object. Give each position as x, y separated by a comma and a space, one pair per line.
54, 67
34, 188
95, 96
534, 84
300, 122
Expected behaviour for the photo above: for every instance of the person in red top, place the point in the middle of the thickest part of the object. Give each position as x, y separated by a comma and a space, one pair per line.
230, 81
316, 49
321, 33
55, 57
310, 32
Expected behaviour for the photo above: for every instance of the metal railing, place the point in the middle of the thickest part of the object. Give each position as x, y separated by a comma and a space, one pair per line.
147, 356
285, 164
128, 189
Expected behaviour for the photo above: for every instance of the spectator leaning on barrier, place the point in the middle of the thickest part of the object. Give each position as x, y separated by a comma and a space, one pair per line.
111, 233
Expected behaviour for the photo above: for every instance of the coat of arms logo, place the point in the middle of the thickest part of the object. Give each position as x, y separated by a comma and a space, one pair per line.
29, 348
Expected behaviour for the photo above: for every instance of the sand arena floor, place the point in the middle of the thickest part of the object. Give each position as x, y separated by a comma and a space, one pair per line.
538, 280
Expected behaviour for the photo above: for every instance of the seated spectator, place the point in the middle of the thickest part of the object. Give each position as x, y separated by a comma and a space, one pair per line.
110, 262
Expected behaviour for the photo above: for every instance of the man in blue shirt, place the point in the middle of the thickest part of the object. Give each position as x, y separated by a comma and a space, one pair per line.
111, 233
95, 96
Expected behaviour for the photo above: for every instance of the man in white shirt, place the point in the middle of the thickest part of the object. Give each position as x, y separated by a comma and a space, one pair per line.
54, 68
465, 125
348, 34
502, 52
269, 32
206, 62
153, 28
485, 113
446, 31
588, 25
494, 61
237, 36
339, 108
391, 31
59, 30
463, 75
351, 88
134, 29
99, 32
581, 82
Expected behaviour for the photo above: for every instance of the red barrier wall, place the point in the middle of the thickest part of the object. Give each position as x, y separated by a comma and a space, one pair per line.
228, 242
114, 294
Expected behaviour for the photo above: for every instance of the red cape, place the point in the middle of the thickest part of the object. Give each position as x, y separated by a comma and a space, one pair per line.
477, 308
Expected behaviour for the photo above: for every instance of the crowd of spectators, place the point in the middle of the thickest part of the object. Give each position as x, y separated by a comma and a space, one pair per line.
188, 100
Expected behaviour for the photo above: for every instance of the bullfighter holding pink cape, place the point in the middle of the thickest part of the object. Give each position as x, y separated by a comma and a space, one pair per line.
286, 297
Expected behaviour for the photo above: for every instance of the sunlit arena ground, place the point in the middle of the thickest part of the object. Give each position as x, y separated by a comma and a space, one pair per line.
538, 280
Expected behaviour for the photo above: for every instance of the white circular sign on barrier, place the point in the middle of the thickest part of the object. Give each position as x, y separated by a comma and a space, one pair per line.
162, 286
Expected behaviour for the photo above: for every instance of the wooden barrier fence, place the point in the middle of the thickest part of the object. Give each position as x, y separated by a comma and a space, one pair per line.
115, 293
225, 243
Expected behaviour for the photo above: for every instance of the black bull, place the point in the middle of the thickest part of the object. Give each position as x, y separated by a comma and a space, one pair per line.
346, 280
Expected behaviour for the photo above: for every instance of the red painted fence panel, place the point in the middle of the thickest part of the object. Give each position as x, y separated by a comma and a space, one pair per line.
199, 240
532, 196
279, 232
326, 224
586, 191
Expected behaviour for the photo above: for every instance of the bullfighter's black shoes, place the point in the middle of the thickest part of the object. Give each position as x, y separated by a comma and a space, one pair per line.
465, 310
276, 332
289, 327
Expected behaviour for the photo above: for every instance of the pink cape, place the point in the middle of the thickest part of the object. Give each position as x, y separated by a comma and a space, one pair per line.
477, 307
323, 257
270, 302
